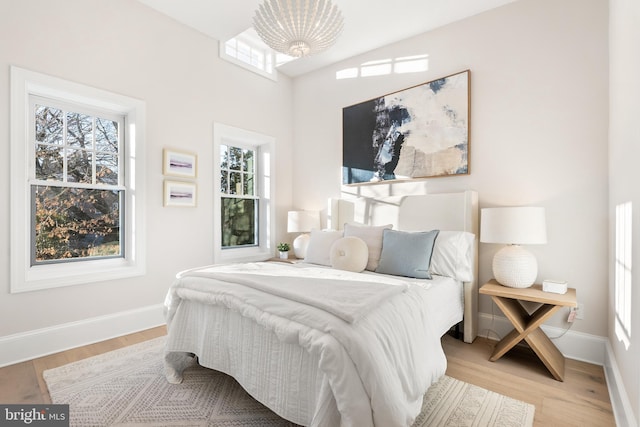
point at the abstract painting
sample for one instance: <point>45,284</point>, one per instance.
<point>419,132</point>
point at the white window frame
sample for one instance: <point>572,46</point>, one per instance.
<point>265,188</point>
<point>271,59</point>
<point>272,75</point>
<point>25,277</point>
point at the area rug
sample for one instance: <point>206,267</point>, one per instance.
<point>126,387</point>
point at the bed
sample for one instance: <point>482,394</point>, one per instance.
<point>322,346</point>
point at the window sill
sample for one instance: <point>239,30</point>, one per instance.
<point>58,275</point>
<point>244,255</point>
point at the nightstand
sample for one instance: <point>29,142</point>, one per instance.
<point>527,326</point>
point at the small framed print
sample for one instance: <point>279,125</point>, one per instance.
<point>178,193</point>
<point>179,163</point>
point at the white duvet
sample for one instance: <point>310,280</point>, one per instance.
<point>371,333</point>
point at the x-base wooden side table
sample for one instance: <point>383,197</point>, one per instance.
<point>527,326</point>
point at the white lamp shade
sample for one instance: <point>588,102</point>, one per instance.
<point>302,221</point>
<point>514,225</point>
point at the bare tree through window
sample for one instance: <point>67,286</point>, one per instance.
<point>76,198</point>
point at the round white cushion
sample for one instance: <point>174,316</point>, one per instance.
<point>349,253</point>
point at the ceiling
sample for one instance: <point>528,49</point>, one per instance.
<point>369,24</point>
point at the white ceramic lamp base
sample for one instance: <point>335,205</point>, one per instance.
<point>300,244</point>
<point>515,267</point>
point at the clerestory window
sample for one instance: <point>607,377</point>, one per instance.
<point>248,51</point>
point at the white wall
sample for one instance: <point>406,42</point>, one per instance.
<point>539,108</point>
<point>125,47</point>
<point>624,153</point>
<point>539,84</point>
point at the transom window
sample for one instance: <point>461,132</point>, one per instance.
<point>248,51</point>
<point>76,196</point>
<point>249,54</point>
<point>239,203</point>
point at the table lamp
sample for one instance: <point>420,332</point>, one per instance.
<point>302,222</point>
<point>513,265</point>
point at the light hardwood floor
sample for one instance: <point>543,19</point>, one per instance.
<point>23,383</point>
<point>581,400</point>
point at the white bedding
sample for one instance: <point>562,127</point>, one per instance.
<point>307,364</point>
<point>344,294</point>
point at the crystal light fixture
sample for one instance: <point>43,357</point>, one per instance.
<point>298,27</point>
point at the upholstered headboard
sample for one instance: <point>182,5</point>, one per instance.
<point>444,211</point>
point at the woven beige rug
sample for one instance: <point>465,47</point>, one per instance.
<point>126,387</point>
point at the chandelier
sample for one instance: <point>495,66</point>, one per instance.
<point>298,27</point>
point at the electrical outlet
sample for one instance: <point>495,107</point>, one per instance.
<point>580,311</point>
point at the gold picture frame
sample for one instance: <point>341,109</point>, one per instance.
<point>180,193</point>
<point>418,132</point>
<point>179,163</point>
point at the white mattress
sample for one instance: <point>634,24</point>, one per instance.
<point>281,375</point>
<point>446,302</point>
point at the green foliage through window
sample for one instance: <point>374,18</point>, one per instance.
<point>239,202</point>
<point>238,222</point>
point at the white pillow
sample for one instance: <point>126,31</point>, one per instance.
<point>320,246</point>
<point>372,236</point>
<point>453,255</point>
<point>349,253</point>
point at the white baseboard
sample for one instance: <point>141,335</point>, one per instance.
<point>574,345</point>
<point>622,408</point>
<point>579,346</point>
<point>41,342</point>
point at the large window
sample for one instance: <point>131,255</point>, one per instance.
<point>77,189</point>
<point>244,197</point>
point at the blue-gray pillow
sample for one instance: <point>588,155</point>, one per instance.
<point>407,253</point>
